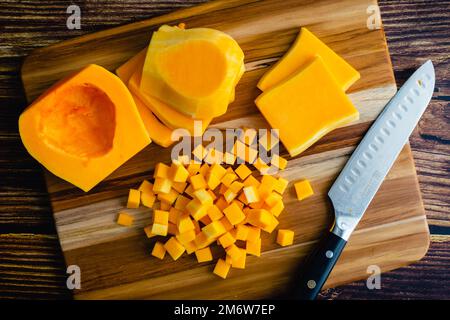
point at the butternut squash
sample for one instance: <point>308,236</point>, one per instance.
<point>84,127</point>
<point>158,132</point>
<point>169,116</point>
<point>192,70</point>
<point>306,106</point>
<point>305,48</point>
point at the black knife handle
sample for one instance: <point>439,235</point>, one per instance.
<point>318,267</point>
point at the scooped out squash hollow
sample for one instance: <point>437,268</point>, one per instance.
<point>192,70</point>
<point>84,127</point>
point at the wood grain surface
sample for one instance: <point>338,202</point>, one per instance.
<point>29,262</point>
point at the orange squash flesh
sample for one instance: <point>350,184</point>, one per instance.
<point>169,116</point>
<point>80,129</point>
<point>126,70</point>
<point>158,132</point>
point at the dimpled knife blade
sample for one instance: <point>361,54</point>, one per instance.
<point>369,164</point>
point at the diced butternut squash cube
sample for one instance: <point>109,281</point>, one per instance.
<point>134,199</point>
<point>214,230</point>
<point>160,229</point>
<point>223,188</point>
<point>229,158</point>
<point>146,186</point>
<point>204,170</point>
<point>253,248</point>
<point>178,173</point>
<point>234,214</point>
<point>310,113</point>
<point>161,171</point>
<point>226,223</point>
<point>204,255</point>
<point>124,219</point>
<point>162,185</point>
<point>240,262</point>
<point>240,204</point>
<point>172,229</point>
<point>254,233</point>
<point>212,194</point>
<point>196,226</point>
<point>234,252</point>
<point>187,236</point>
<point>190,247</point>
<point>205,220</point>
<point>229,196</point>
<point>217,170</point>
<point>174,248</point>
<point>185,223</point>
<point>183,159</point>
<point>285,237</point>
<point>272,199</point>
<point>214,213</point>
<point>226,240</point>
<point>278,162</point>
<point>222,268</point>
<point>202,241</point>
<point>203,196</point>
<point>193,168</point>
<point>199,153</point>
<point>179,186</point>
<point>181,202</point>
<point>174,215</point>
<point>148,198</point>
<point>259,218</point>
<point>221,203</point>
<point>303,189</point>
<point>260,165</point>
<point>160,217</point>
<point>198,182</point>
<point>169,197</point>
<point>228,178</point>
<point>241,197</point>
<point>165,206</point>
<point>277,208</point>
<point>190,191</point>
<point>257,205</point>
<point>272,225</point>
<point>212,181</point>
<point>158,250</point>
<point>243,171</point>
<point>251,194</point>
<point>281,185</point>
<point>241,232</point>
<point>251,181</point>
<point>236,186</point>
<point>197,209</point>
<point>148,231</point>
<point>267,185</point>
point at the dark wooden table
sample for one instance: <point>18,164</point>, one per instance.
<point>31,264</point>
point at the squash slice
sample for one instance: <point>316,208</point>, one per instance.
<point>126,70</point>
<point>306,106</point>
<point>305,48</point>
<point>158,132</point>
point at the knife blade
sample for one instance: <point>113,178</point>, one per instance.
<point>358,182</point>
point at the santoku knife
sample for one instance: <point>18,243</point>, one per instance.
<point>363,174</point>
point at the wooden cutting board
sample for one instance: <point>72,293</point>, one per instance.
<point>115,261</point>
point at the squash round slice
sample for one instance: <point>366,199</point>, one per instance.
<point>169,116</point>
<point>84,127</point>
<point>192,70</point>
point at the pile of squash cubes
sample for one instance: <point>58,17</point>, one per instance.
<point>201,204</point>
